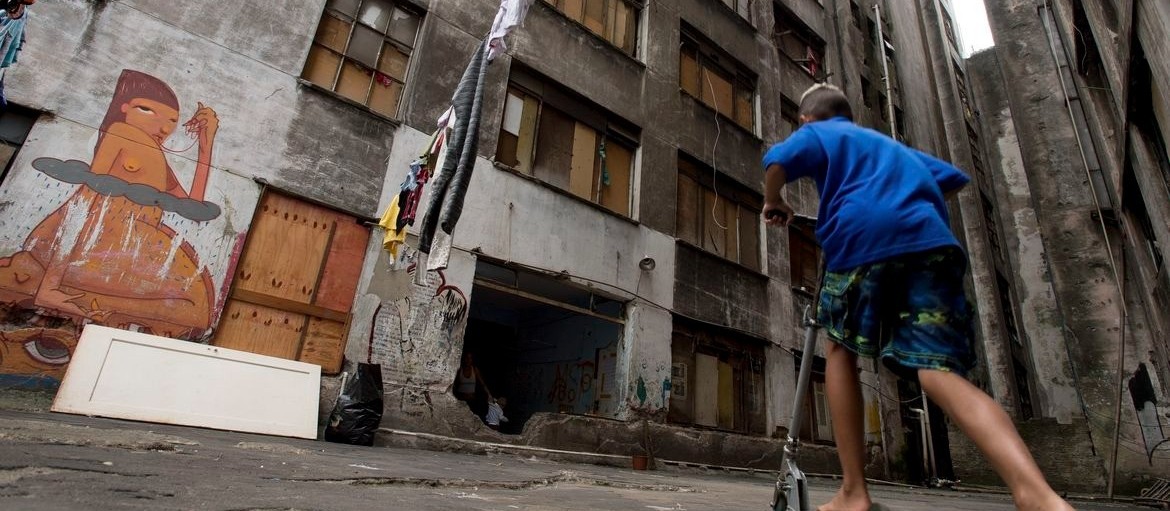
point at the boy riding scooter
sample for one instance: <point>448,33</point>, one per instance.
<point>893,287</point>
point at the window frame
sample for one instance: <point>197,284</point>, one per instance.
<point>636,9</point>
<point>709,58</point>
<point>344,57</point>
<point>732,193</point>
<point>607,128</point>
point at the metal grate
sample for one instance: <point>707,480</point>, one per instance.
<point>1158,492</point>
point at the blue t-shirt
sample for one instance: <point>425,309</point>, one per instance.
<point>879,198</point>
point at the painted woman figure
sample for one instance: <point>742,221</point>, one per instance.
<point>105,254</point>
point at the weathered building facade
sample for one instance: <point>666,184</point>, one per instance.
<point>610,276</point>
<point>1068,144</point>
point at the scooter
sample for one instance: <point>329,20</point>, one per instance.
<point>791,492</point>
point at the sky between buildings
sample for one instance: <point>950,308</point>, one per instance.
<point>972,20</point>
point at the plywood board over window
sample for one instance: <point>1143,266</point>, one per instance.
<point>295,283</point>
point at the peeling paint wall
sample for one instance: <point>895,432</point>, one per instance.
<point>1069,300</point>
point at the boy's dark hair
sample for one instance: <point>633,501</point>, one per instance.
<point>824,101</point>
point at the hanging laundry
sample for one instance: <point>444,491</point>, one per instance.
<point>459,126</point>
<point>11,36</point>
<point>394,237</point>
<point>511,13</point>
<point>450,183</point>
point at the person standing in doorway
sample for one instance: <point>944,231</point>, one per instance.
<point>893,287</point>
<point>468,382</point>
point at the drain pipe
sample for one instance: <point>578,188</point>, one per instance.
<point>1048,15</point>
<point>877,10</point>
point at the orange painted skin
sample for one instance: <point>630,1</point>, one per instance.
<point>123,267</point>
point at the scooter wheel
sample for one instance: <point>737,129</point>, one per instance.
<point>781,503</point>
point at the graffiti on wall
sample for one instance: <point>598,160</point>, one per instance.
<point>105,255</point>
<point>35,358</point>
<point>417,338</point>
<point>110,233</point>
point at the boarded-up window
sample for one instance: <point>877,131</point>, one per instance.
<point>615,21</point>
<point>718,214</point>
<point>817,423</point>
<point>715,79</point>
<point>362,51</point>
<point>805,258</point>
<point>566,142</point>
<point>295,283</point>
<point>719,375</point>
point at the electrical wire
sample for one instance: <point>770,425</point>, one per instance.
<point>714,163</point>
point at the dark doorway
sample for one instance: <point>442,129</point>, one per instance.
<point>542,344</point>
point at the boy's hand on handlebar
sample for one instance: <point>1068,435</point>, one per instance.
<point>778,213</point>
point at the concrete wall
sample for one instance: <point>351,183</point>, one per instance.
<point>1069,298</point>
<point>170,274</point>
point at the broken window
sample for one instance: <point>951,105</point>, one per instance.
<point>362,51</point>
<point>295,283</point>
<point>718,214</point>
<point>1007,309</point>
<point>1135,205</point>
<point>722,376</point>
<point>715,79</point>
<point>543,344</point>
<point>567,142</point>
<point>964,98</point>
<point>798,42</point>
<point>949,29</point>
<point>855,10</point>
<point>991,226</point>
<point>1023,387</point>
<point>615,21</point>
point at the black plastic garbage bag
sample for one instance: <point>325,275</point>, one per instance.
<point>358,411</point>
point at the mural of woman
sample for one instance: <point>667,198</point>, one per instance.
<point>105,255</point>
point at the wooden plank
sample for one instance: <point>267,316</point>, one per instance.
<point>575,9</point>
<point>527,135</point>
<point>324,344</point>
<point>717,91</point>
<point>687,217</point>
<point>343,265</point>
<point>749,238</point>
<point>595,16</point>
<point>706,390</point>
<point>259,329</point>
<point>731,213</point>
<point>583,162</point>
<point>274,302</point>
<point>726,396</point>
<point>286,246</point>
<point>554,150</point>
<point>688,76</point>
<point>618,162</point>
<point>714,223</point>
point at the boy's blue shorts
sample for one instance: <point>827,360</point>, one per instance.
<point>910,310</point>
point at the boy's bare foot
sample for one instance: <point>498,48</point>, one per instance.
<point>852,501</point>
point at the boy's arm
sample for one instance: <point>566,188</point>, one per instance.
<point>949,178</point>
<point>776,209</point>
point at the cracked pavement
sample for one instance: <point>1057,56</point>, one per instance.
<point>65,462</point>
